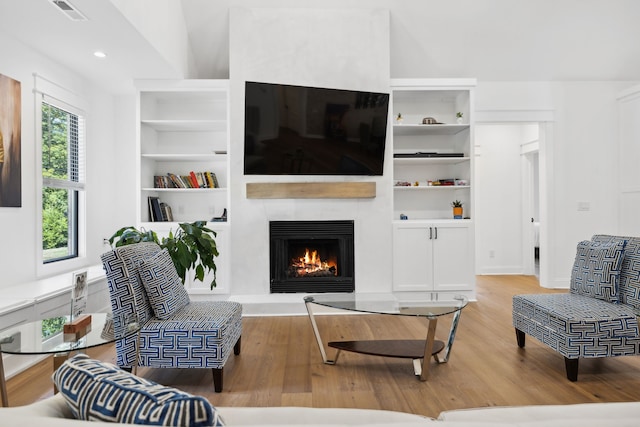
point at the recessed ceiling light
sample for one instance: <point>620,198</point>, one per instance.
<point>99,54</point>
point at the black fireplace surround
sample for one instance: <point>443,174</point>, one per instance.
<point>294,243</point>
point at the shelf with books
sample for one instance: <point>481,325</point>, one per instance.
<point>184,205</point>
<point>187,180</point>
<point>183,129</point>
<point>183,143</point>
<point>185,190</point>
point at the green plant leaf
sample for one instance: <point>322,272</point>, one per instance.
<point>191,246</point>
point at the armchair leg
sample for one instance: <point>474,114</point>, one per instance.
<point>572,368</point>
<point>236,348</point>
<point>217,379</point>
<point>520,337</point>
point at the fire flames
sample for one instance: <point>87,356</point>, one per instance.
<point>311,265</point>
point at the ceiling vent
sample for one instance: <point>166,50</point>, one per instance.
<point>69,10</point>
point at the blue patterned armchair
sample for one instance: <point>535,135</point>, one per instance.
<point>174,332</point>
<point>598,317</point>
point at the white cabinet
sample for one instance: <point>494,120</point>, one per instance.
<point>183,128</point>
<point>433,162</point>
<point>433,257</point>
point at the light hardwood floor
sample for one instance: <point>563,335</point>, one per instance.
<point>280,365</point>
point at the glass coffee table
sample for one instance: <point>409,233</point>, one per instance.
<point>400,304</point>
<point>46,337</point>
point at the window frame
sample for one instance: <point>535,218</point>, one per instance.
<point>47,92</point>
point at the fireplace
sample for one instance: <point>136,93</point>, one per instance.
<point>311,256</point>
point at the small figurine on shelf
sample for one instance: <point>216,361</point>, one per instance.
<point>459,117</point>
<point>399,119</point>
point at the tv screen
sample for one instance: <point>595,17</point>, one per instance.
<point>298,130</point>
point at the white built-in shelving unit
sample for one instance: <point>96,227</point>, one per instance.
<point>433,252</point>
<point>183,127</point>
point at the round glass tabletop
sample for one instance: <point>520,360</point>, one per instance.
<point>400,303</point>
<point>47,336</point>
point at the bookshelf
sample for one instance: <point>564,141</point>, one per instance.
<point>183,130</point>
<point>183,127</point>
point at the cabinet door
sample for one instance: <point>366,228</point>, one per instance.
<point>412,258</point>
<point>452,259</point>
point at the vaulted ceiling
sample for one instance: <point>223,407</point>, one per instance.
<point>504,40</point>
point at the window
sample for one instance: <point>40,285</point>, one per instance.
<point>62,181</point>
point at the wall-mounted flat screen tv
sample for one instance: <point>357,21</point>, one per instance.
<point>298,130</point>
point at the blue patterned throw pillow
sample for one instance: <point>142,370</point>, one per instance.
<point>596,270</point>
<point>164,288</point>
<point>98,391</point>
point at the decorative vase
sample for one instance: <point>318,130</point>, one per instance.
<point>459,120</point>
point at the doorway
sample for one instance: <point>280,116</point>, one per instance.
<point>508,196</point>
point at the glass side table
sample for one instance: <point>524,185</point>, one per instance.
<point>46,337</point>
<point>399,304</point>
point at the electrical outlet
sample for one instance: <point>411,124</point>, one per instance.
<point>584,206</point>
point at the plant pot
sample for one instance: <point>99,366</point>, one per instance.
<point>457,213</point>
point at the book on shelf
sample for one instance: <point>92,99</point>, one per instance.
<point>214,180</point>
<point>194,180</point>
<point>155,211</point>
<point>201,181</point>
<point>191,180</point>
<point>167,214</point>
<point>209,180</point>
<point>163,181</point>
<point>175,180</point>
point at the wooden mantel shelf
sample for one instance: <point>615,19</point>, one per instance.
<point>311,190</point>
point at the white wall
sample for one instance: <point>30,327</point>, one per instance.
<point>18,242</point>
<point>346,49</point>
<point>166,32</point>
<point>580,159</point>
<point>629,173</point>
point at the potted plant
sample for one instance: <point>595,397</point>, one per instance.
<point>459,117</point>
<point>192,246</point>
<point>457,209</point>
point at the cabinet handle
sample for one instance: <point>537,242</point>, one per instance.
<point>430,233</point>
<point>436,228</point>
